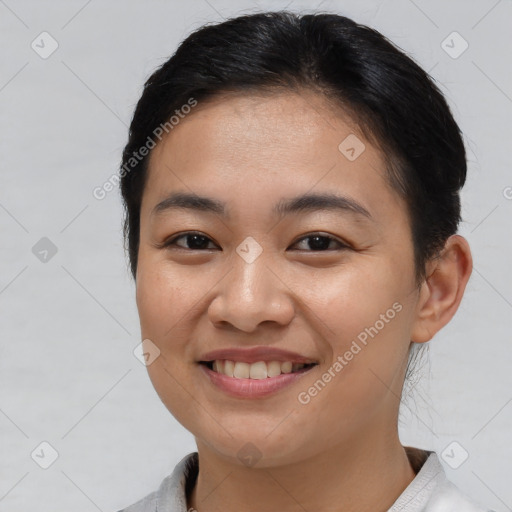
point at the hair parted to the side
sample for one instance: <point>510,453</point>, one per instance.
<point>391,99</point>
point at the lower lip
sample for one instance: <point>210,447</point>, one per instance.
<point>252,388</point>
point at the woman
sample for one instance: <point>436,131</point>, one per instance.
<point>291,186</point>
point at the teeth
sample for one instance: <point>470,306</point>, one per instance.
<point>229,368</point>
<point>273,368</point>
<point>241,371</point>
<point>258,371</point>
<point>286,367</point>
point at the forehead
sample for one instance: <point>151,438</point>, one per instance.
<point>256,148</point>
<point>263,124</point>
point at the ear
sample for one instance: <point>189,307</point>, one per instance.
<point>442,291</point>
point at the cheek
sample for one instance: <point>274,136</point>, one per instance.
<point>163,304</point>
<point>163,300</point>
<point>365,315</point>
<point>350,300</point>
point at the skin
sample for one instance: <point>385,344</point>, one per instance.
<point>340,451</point>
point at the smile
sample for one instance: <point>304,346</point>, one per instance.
<point>252,380</point>
<point>257,371</point>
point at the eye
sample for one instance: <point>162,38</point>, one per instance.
<point>319,242</point>
<point>194,241</point>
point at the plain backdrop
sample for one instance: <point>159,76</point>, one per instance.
<point>69,325</point>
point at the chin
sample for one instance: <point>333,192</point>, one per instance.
<point>257,448</point>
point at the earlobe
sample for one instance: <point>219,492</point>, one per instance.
<point>442,291</point>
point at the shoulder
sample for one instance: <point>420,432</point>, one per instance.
<point>172,494</point>
<point>431,491</point>
<point>449,498</point>
<point>146,504</point>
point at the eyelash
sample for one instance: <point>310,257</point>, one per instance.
<point>172,242</point>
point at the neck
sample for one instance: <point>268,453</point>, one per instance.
<point>368,475</point>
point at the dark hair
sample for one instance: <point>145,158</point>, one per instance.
<point>394,102</point>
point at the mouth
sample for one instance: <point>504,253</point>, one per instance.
<point>258,370</point>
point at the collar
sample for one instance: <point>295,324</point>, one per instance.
<point>176,488</point>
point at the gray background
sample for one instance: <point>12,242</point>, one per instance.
<point>68,375</point>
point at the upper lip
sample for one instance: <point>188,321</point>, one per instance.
<point>255,354</point>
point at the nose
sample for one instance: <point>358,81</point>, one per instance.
<point>250,294</point>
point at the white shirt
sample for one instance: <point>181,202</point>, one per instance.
<point>430,491</point>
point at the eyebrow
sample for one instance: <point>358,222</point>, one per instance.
<point>304,203</point>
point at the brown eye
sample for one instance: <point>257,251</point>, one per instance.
<point>319,242</point>
<point>193,241</point>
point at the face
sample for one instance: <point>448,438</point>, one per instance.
<point>333,283</point>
